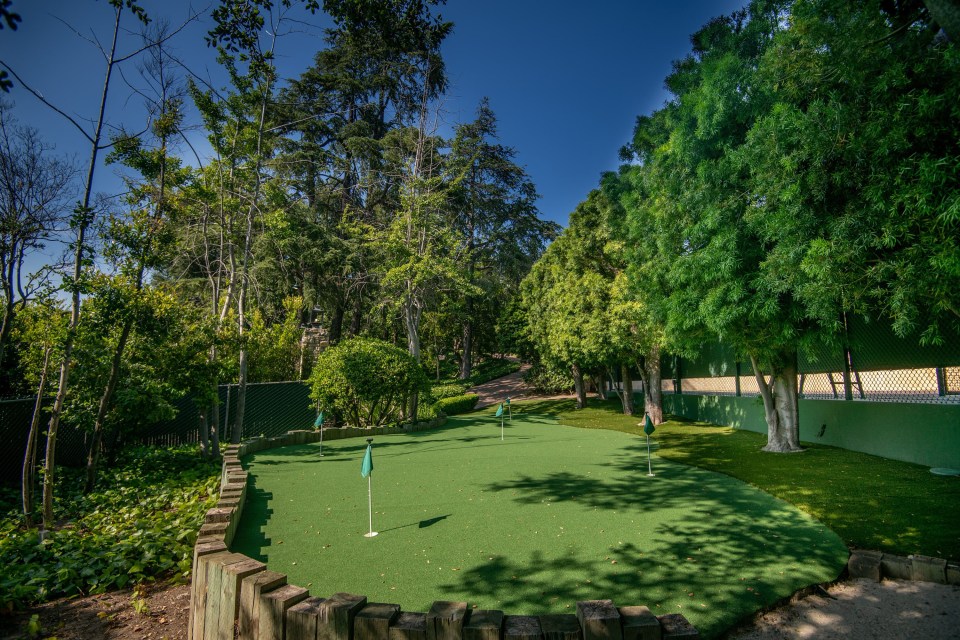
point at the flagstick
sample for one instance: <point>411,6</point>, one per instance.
<point>370,506</point>
<point>649,468</point>
<point>501,427</point>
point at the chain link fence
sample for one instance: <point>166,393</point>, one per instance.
<point>873,364</point>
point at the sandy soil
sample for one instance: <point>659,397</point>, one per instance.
<point>864,610</point>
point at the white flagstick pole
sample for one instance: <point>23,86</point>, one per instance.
<point>501,427</point>
<point>649,468</point>
<point>370,503</point>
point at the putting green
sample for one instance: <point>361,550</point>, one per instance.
<point>550,516</point>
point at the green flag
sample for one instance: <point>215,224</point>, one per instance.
<point>319,421</point>
<point>508,401</point>
<point>367,467</point>
<point>500,410</point>
<point>648,425</point>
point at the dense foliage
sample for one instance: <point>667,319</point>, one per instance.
<point>456,405</point>
<point>366,382</point>
<point>140,526</point>
<point>804,168</point>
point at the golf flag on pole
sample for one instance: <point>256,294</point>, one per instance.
<point>367,467</point>
<point>366,470</point>
<point>648,429</point>
<point>500,410</point>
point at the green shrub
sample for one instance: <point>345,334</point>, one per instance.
<point>141,524</point>
<point>457,404</point>
<point>441,391</point>
<point>546,379</point>
<point>365,381</point>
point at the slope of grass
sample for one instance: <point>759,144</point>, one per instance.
<point>531,524</point>
<point>871,502</point>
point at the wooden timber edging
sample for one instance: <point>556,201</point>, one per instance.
<point>876,565</point>
<point>235,596</point>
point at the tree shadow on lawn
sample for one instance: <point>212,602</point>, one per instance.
<point>249,538</point>
<point>731,550</point>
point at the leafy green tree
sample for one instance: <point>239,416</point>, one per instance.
<point>493,210</point>
<point>367,382</point>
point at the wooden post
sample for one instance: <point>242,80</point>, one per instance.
<point>639,624</point>
<point>230,580</point>
<point>200,550</point>
<point>273,610</point>
<point>409,626</point>
<point>250,589</point>
<point>214,595</point>
<point>302,619</point>
<point>445,620</point>
<point>335,621</point>
<point>521,628</point>
<point>373,621</point>
<point>675,627</point>
<point>563,626</point>
<point>484,624</point>
<point>599,620</point>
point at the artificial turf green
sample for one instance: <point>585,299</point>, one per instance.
<point>531,525</point>
<point>871,502</point>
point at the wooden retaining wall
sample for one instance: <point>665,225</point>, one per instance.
<point>234,596</point>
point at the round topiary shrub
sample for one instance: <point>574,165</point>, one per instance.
<point>366,382</point>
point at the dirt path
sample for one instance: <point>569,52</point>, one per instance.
<point>510,386</point>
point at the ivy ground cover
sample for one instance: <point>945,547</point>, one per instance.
<point>531,524</point>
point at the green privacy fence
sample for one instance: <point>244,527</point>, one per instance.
<point>271,409</point>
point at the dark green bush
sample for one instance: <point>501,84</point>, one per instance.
<point>367,382</point>
<point>141,524</point>
<point>546,379</point>
<point>457,404</point>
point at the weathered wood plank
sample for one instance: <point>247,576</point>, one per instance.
<point>273,610</point>
<point>599,620</point>
<point>373,621</point>
<point>483,624</point>
<point>336,617</point>
<point>445,620</point>
<point>302,619</point>
<point>409,626</point>
<point>639,624</point>
<point>250,589</point>
<point>521,628</point>
<point>564,626</point>
<point>231,579</point>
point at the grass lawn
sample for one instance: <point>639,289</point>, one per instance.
<point>552,515</point>
<point>871,502</point>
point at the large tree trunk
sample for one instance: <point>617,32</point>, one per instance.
<point>578,386</point>
<point>652,385</point>
<point>626,390</point>
<point>780,404</point>
<point>28,475</point>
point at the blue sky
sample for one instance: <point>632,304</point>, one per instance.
<point>566,79</point>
